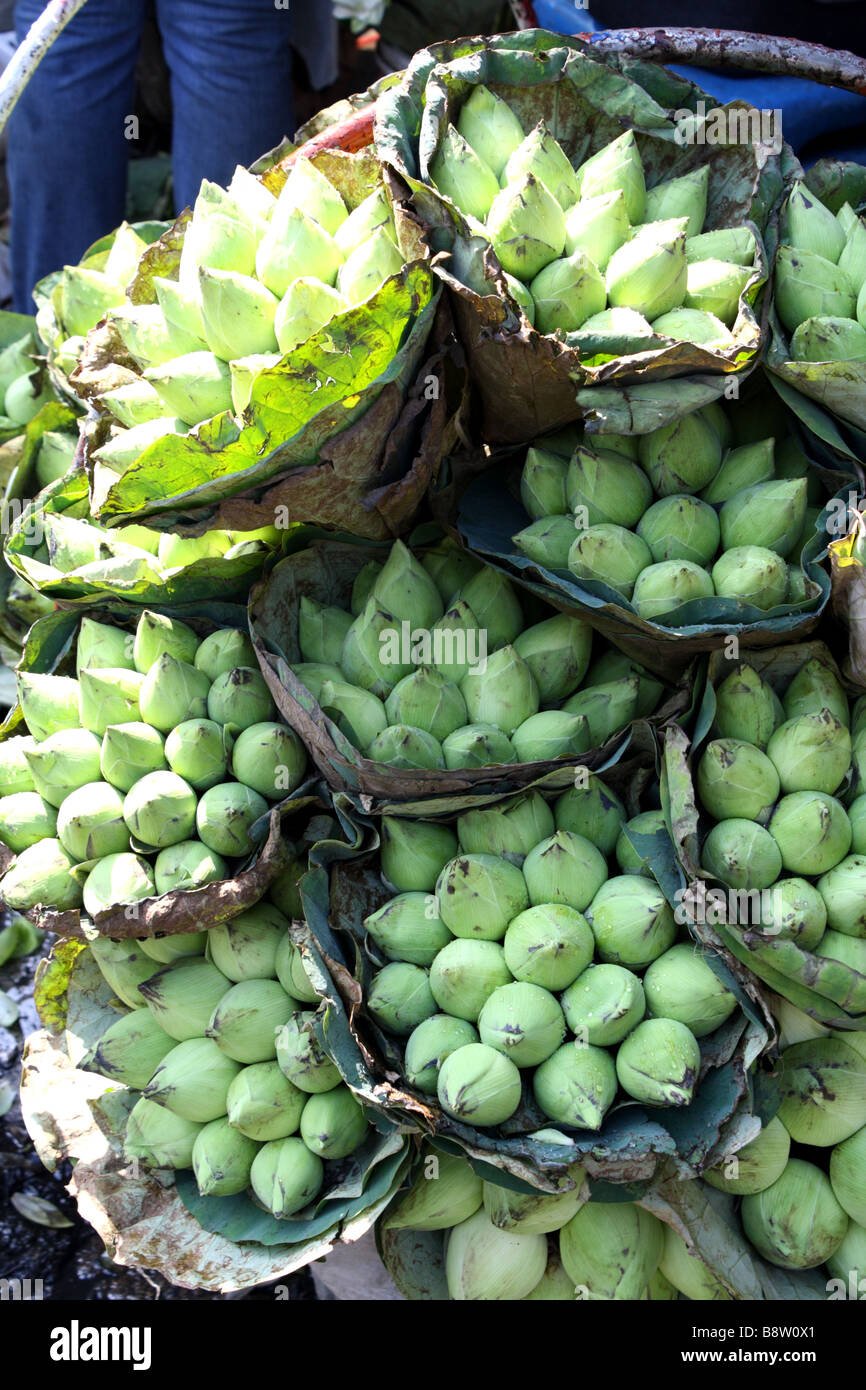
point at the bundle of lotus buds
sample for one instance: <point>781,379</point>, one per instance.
<point>682,513</point>
<point>471,685</point>
<point>533,959</point>
<point>145,772</point>
<point>591,253</point>
<point>820,283</point>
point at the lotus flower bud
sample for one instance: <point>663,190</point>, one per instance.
<point>744,467</point>
<point>222,1159</point>
<point>463,976</point>
<point>548,945</point>
<point>109,695</point>
<point>597,226</point>
<point>321,631</point>
<point>25,819</point>
<point>808,286</point>
<point>542,156</point>
<point>747,707</point>
<point>630,859</point>
<point>715,287</point>
<point>194,387</point>
<point>358,714</point>
<point>756,1165</point>
<point>554,1285</point>
<point>403,746</point>
<point>40,877</point>
<point>129,751</point>
<point>367,268</point>
<point>426,700</point>
<point>173,692</point>
<point>614,332</point>
<point>177,552</point>
<point>680,528</point>
<point>681,985</point>
<point>158,1138</point>
<point>848,1262</point>
<point>301,1057</point>
<point>809,226</point>
<point>696,326</point>
<point>661,589</point>
<point>732,244</point>
<point>116,880</point>
<point>811,752</point>
<point>247,1019</point>
<point>847,218</point>
<point>263,1104</point>
<point>478,745</point>
<point>131,1049</point>
<point>687,1273</point>
<point>526,226</point>
<point>414,853</point>
<point>829,338</point>
<point>57,766</point>
<point>270,759</point>
<point>86,297</point>
<point>126,446</point>
<point>796,913</point>
<point>565,868</point>
<point>295,245</point>
<point>842,890</point>
<point>538,1214</point>
<point>371,214</point>
<point>193,1080</point>
<point>124,966</point>
<point>196,751</point>
<point>158,635</point>
<point>160,810</point>
<point>285,1176</point>
<point>848,950</point>
<point>743,855</point>
<point>510,829</point>
<point>180,309</point>
<point>333,1124</point>
<point>463,176</point>
<point>770,515</point>
<point>484,1262</point>
<point>90,822</point>
<point>493,606</point>
<point>557,653</point>
<point>606,708</point>
<point>551,734</point>
<point>239,698</point>
<point>363,586</point>
<point>616,167</point>
<point>169,948</point>
<point>811,831</point>
<point>504,693</point>
<point>308,188</point>
<point>148,337</point>
<point>439,1202</point>
<point>542,484</point>
<point>796,1222</point>
<point>576,1085</point>
<point>225,816</point>
<point>406,929</point>
<point>846,1175</point>
<point>478,895</point>
<point>604,1004</point>
<point>238,312</point>
<point>245,370</point>
<point>592,811</point>
<point>183,996</point>
<point>823,1088</point>
<point>102,646</point>
<point>604,487</point>
<point>648,273</point>
<point>426,1049</point>
<point>403,587</point>
<point>245,948</point>
<point>815,688</point>
<point>488,124</point>
<point>522,1021</point>
<point>370,643</point>
<point>400,998</point>
<point>292,974</point>
<point>737,780</point>
<point>682,197</point>
<point>566,293</point>
<point>284,894</point>
<point>631,921</point>
<point>15,773</point>
<point>48,703</point>
<point>611,555</point>
<point>479,1086</point>
<point>547,541</point>
<point>449,567</point>
<point>682,457</point>
<point>659,1062</point>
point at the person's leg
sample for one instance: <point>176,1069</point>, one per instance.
<point>67,139</point>
<point>231,84</point>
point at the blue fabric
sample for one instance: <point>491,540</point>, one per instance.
<point>231,68</point>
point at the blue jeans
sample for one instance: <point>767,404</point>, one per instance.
<point>230,64</point>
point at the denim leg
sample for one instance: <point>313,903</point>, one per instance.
<point>68,150</point>
<point>231,84</point>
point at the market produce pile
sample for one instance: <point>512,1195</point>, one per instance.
<point>821,280</point>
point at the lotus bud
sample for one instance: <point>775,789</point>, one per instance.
<point>737,780</point>
<point>173,692</point>
<point>414,853</point>
<point>576,1085</point>
<point>436,1203</point>
<point>295,246</point>
<point>25,819</point>
<point>238,312</point>
<point>426,1049</point>
<point>131,1049</point>
<point>479,1086</point>
<point>680,528</point>
<point>769,515</point>
<point>115,881</point>
<point>846,1175</point>
<point>687,1272</point>
<point>263,1104</point>
<point>648,273</point>
<point>743,855</point>
<point>604,1004</point>
<point>222,1159</point>
<point>829,338</point>
<point>15,771</point>
<point>102,646</point>
<point>59,765</point>
<point>504,693</point>
<point>658,1063</point>
<point>616,167</point>
<point>557,653</point>
<point>548,945</point>
<point>606,708</point>
<point>400,998</point>
<point>239,698</point>
<point>90,823</point>
<point>367,268</point>
<point>148,337</point>
<point>566,293</point>
<point>597,226</point>
<point>848,950</point>
<point>285,1176</point>
<point>160,810</point>
<point>426,700</point>
<point>848,1262</point>
<point>478,895</point>
<point>403,587</point>
<point>301,1057</point>
<point>449,567</point>
<point>463,176</point>
<point>715,287</point>
<point>194,387</point>
<point>86,297</point>
<point>193,1080</point>
<point>683,457</point>
<point>48,703</point>
<point>196,751</point>
<point>811,752</point>
<point>369,646</point>
<point>225,816</point>
<point>321,631</point>
<point>696,326</point>
<point>538,1214</point>
<point>40,877</point>
<point>611,555</point>
<point>371,214</point>
<point>796,1222</point>
<point>406,929</point>
<point>484,1262</point>
<point>478,745</point>
<point>842,891</point>
<point>809,286</point>
<point>509,829</point>
<point>403,746</point>
<point>756,1165</point>
<point>732,244</point>
<point>180,308</point>
<point>631,921</point>
<point>158,1138</point>
<point>682,197</point>
<point>542,156</point>
<point>183,996</point>
<point>363,586</point>
<point>847,218</point>
<point>270,759</point>
<point>158,635</point>
<point>494,607</point>
<point>526,226</point>
<point>308,188</point>
<point>169,948</point>
<point>614,332</point>
<point>284,892</point>
<point>592,811</point>
<point>812,832</point>
<point>547,541</point>
<point>129,751</point>
<point>814,688</point>
<point>463,976</point>
<point>358,714</point>
<point>126,446</point>
<point>292,974</point>
<point>522,1021</point>
<point>823,1088</point>
<point>809,226</point>
<point>177,552</point>
<point>245,370</point>
<point>661,589</point>
<point>604,487</point>
<point>797,912</point>
<point>681,985</point>
<point>247,1019</point>
<point>565,868</point>
<point>333,1124</point>
<point>630,859</point>
<point>542,484</point>
<point>245,948</point>
<point>124,966</point>
<point>551,734</point>
<point>747,707</point>
<point>744,467</point>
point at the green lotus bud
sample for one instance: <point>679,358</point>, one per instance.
<point>58,766</point>
<point>503,693</point>
<point>823,1089</point>
<point>194,387</point>
<point>566,293</point>
<point>291,971</point>
<point>172,693</point>
<point>681,985</point>
<point>796,1222</point>
<point>237,312</point>
<point>604,1004</point>
<point>629,859</point>
<point>263,1104</point>
<point>365,657</point>
<point>225,816</point>
<point>769,515</point>
<point>71,544</point>
<point>441,1201</point>
<point>538,1214</point>
<point>169,948</point>
<point>547,541</point>
<point>756,1165</point>
<point>426,700</point>
<point>308,188</point>
<point>510,829</point>
<point>367,268</point>
<point>743,855</point>
<point>15,771</point>
<point>463,976</point>
<point>812,832</point>
<point>124,966</point>
<point>694,326</point>
<point>158,635</point>
<point>270,759</point>
<point>526,227</point>
<point>732,244</point>
<point>321,631</point>
<point>403,746</point>
<point>522,1021</point>
<point>296,247</point>
<point>358,714</point>
<point>659,1289</point>
<point>102,646</point>
<point>333,1124</point>
<point>449,567</point>
<point>371,214</point>
<point>617,167</point>
<point>609,555</point>
<point>400,998</point>
<point>26,397</point>
<point>196,751</point>
<point>25,819</point>
<point>737,780</point>
<point>606,708</point>
<point>193,1080</point>
<point>126,446</point>
<point>680,528</point>
<point>407,929</point>
<point>715,288</point>
<point>565,868</point>
<point>40,877</point>
<point>479,1086</point>
<point>846,1175</point>
<point>542,484</point>
<point>477,745</point>
<point>223,650</point>
<point>488,124</point>
<point>557,653</point>
<point>493,606</point>
<point>648,272</point>
<point>404,588</point>
<point>427,1047</point>
<point>744,467</point>
<point>148,337</point>
<point>688,1273</point>
<point>751,574</point>
<point>842,893</point>
<point>285,1176</point>
<point>463,176</point>
<point>222,1159</point>
<point>183,996</point>
<point>86,297</point>
<point>848,1262</point>
<point>661,589</point>
<point>815,688</point>
<point>683,457</point>
<point>245,370</point>
<point>116,880</point>
<point>551,734</point>
<point>604,487</point>
<point>414,853</point>
<point>48,703</point>
<point>809,226</point>
<point>592,811</point>
<point>177,552</point>
<point>160,810</point>
<point>847,218</point>
<point>597,226</point>
<point>811,752</point>
<point>809,286</point>
<point>747,707</point>
<point>484,1262</point>
<point>130,751</point>
<point>548,945</point>
<point>301,1057</point>
<point>90,822</point>
<point>109,695</point>
<point>542,156</point>
<point>796,913</point>
<point>848,950</point>
<point>157,1137</point>
<point>245,948</point>
<point>659,1062</point>
<point>180,308</point>
<point>131,1049</point>
<point>248,1018</point>
<point>614,332</point>
<point>239,698</point>
<point>829,338</point>
<point>611,1250</point>
<point>478,895</point>
<point>631,921</point>
<point>682,197</point>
